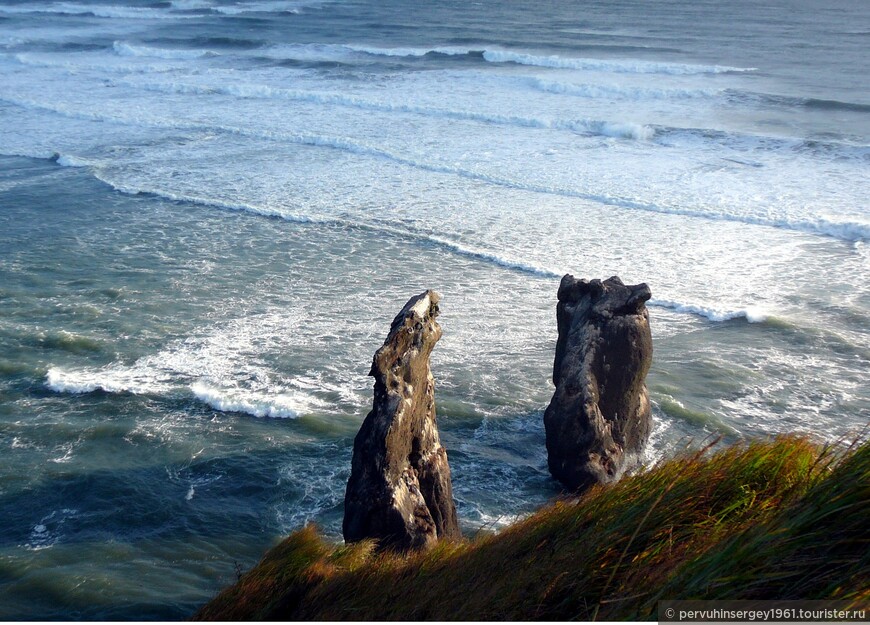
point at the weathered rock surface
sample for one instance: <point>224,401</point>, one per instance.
<point>599,419</point>
<point>399,489</point>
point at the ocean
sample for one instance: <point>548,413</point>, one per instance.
<point>211,210</point>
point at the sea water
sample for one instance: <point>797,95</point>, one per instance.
<point>211,210</point>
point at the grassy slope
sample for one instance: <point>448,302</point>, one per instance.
<point>781,519</point>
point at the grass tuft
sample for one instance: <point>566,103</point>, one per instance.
<point>781,519</point>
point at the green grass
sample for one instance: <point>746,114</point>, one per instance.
<point>782,519</point>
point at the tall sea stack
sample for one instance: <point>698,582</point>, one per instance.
<point>599,419</point>
<point>399,490</point>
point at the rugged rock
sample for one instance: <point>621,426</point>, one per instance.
<point>599,419</point>
<point>399,489</point>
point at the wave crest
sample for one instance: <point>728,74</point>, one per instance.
<point>626,66</point>
<point>123,48</point>
<point>850,230</point>
<point>111,380</point>
<point>620,92</point>
<point>752,314</point>
<point>258,404</point>
<point>618,66</point>
<point>619,130</point>
<point>97,10</point>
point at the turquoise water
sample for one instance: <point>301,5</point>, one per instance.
<point>211,211</point>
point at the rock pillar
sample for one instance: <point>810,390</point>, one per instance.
<point>599,419</point>
<point>399,490</point>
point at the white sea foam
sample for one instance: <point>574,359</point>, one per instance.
<point>220,366</point>
<point>355,52</point>
<point>245,207</point>
<point>304,52</point>
<point>622,130</point>
<point>412,52</point>
<point>848,230</point>
<point>475,252</point>
<point>315,485</point>
<point>68,450</point>
<point>259,404</point>
<point>620,92</point>
<point>619,130</point>
<point>851,230</point>
<point>632,66</point>
<point>752,314</point>
<point>464,249</point>
<point>191,5</point>
<point>98,10</point>
<point>91,63</point>
<point>47,531</point>
<point>17,443</point>
<point>115,379</point>
<point>661,441</point>
<point>70,160</point>
<point>276,6</point>
<point>123,48</point>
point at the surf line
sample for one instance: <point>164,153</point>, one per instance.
<point>848,231</point>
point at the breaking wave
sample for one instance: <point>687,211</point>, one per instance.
<point>95,64</point>
<point>95,10</point>
<point>475,252</point>
<point>70,160</point>
<point>258,404</point>
<point>109,380</point>
<point>848,229</point>
<point>618,66</point>
<point>751,314</point>
<point>138,381</point>
<point>412,52</point>
<point>622,130</point>
<point>126,49</point>
<point>620,92</point>
<point>268,6</point>
<point>820,104</point>
<point>626,66</point>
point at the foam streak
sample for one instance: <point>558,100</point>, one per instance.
<point>751,314</point>
<point>846,230</point>
<point>587,126</point>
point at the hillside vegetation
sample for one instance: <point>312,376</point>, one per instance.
<point>782,519</point>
